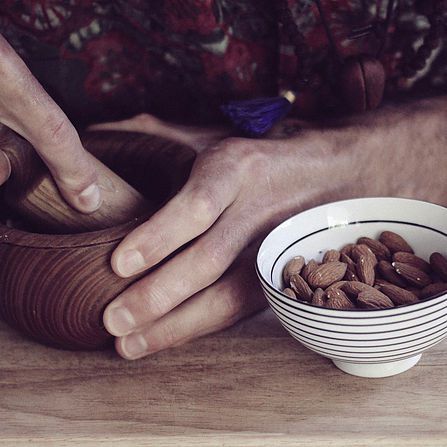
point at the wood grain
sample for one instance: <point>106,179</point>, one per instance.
<point>252,385</point>
<point>33,194</point>
<point>149,164</point>
<point>55,287</point>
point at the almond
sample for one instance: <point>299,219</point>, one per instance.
<point>435,277</point>
<point>351,274</point>
<point>319,298</point>
<point>413,275</point>
<point>415,291</point>
<point>370,274</point>
<point>398,295</point>
<point>289,292</point>
<point>346,250</point>
<point>410,258</point>
<point>381,282</point>
<point>439,265</point>
<point>309,267</point>
<point>336,285</point>
<point>387,271</point>
<point>433,289</point>
<point>362,250</point>
<point>293,267</point>
<point>380,250</point>
<point>301,288</point>
<point>353,288</point>
<point>375,300</point>
<point>331,256</point>
<point>326,274</point>
<point>365,269</point>
<point>346,259</point>
<point>337,299</point>
<point>394,242</point>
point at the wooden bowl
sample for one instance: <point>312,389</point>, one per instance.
<point>55,287</point>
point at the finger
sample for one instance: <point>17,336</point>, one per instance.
<point>5,168</point>
<point>26,108</point>
<point>197,137</point>
<point>190,271</point>
<point>190,213</point>
<point>235,296</point>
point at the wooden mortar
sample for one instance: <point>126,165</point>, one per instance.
<point>55,287</point>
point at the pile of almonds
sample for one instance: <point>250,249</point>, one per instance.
<point>371,274</point>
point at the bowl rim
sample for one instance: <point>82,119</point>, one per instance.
<point>265,284</point>
<point>114,233</point>
<point>27,239</point>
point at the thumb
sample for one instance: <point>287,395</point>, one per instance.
<point>5,168</point>
<point>26,108</point>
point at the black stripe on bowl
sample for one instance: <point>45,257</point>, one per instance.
<point>292,310</point>
<point>355,343</point>
<point>357,222</point>
<point>387,331</point>
<point>369,349</point>
<point>307,307</point>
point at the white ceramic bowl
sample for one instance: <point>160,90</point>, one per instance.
<point>368,343</point>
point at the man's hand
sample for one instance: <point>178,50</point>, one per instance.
<point>241,188</point>
<point>237,190</point>
<point>26,108</point>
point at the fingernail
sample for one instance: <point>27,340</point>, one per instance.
<point>119,321</point>
<point>5,168</point>
<point>134,346</point>
<point>90,198</point>
<point>130,262</point>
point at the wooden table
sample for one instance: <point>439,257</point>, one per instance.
<point>252,385</point>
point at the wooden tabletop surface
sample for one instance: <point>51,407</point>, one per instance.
<point>252,385</point>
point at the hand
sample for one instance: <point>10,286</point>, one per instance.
<point>26,108</point>
<point>225,206</point>
<point>238,190</point>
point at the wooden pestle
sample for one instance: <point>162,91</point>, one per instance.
<point>32,193</point>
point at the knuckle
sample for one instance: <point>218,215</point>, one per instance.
<point>228,305</point>
<point>162,242</point>
<point>154,302</point>
<point>146,121</point>
<point>204,205</point>
<point>77,180</point>
<point>231,144</point>
<point>214,257</point>
<point>225,152</point>
<point>164,335</point>
<point>254,159</point>
<point>169,335</point>
<point>58,130</point>
<point>7,54</point>
<point>244,155</point>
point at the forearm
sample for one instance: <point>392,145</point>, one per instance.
<point>395,151</point>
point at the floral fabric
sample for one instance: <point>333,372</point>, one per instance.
<point>180,59</point>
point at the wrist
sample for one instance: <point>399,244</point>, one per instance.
<point>321,168</point>
<point>394,151</point>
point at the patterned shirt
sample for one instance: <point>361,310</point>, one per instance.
<point>181,59</point>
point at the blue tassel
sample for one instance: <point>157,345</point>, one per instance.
<point>256,116</point>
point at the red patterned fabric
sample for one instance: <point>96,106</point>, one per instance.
<point>181,59</point>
